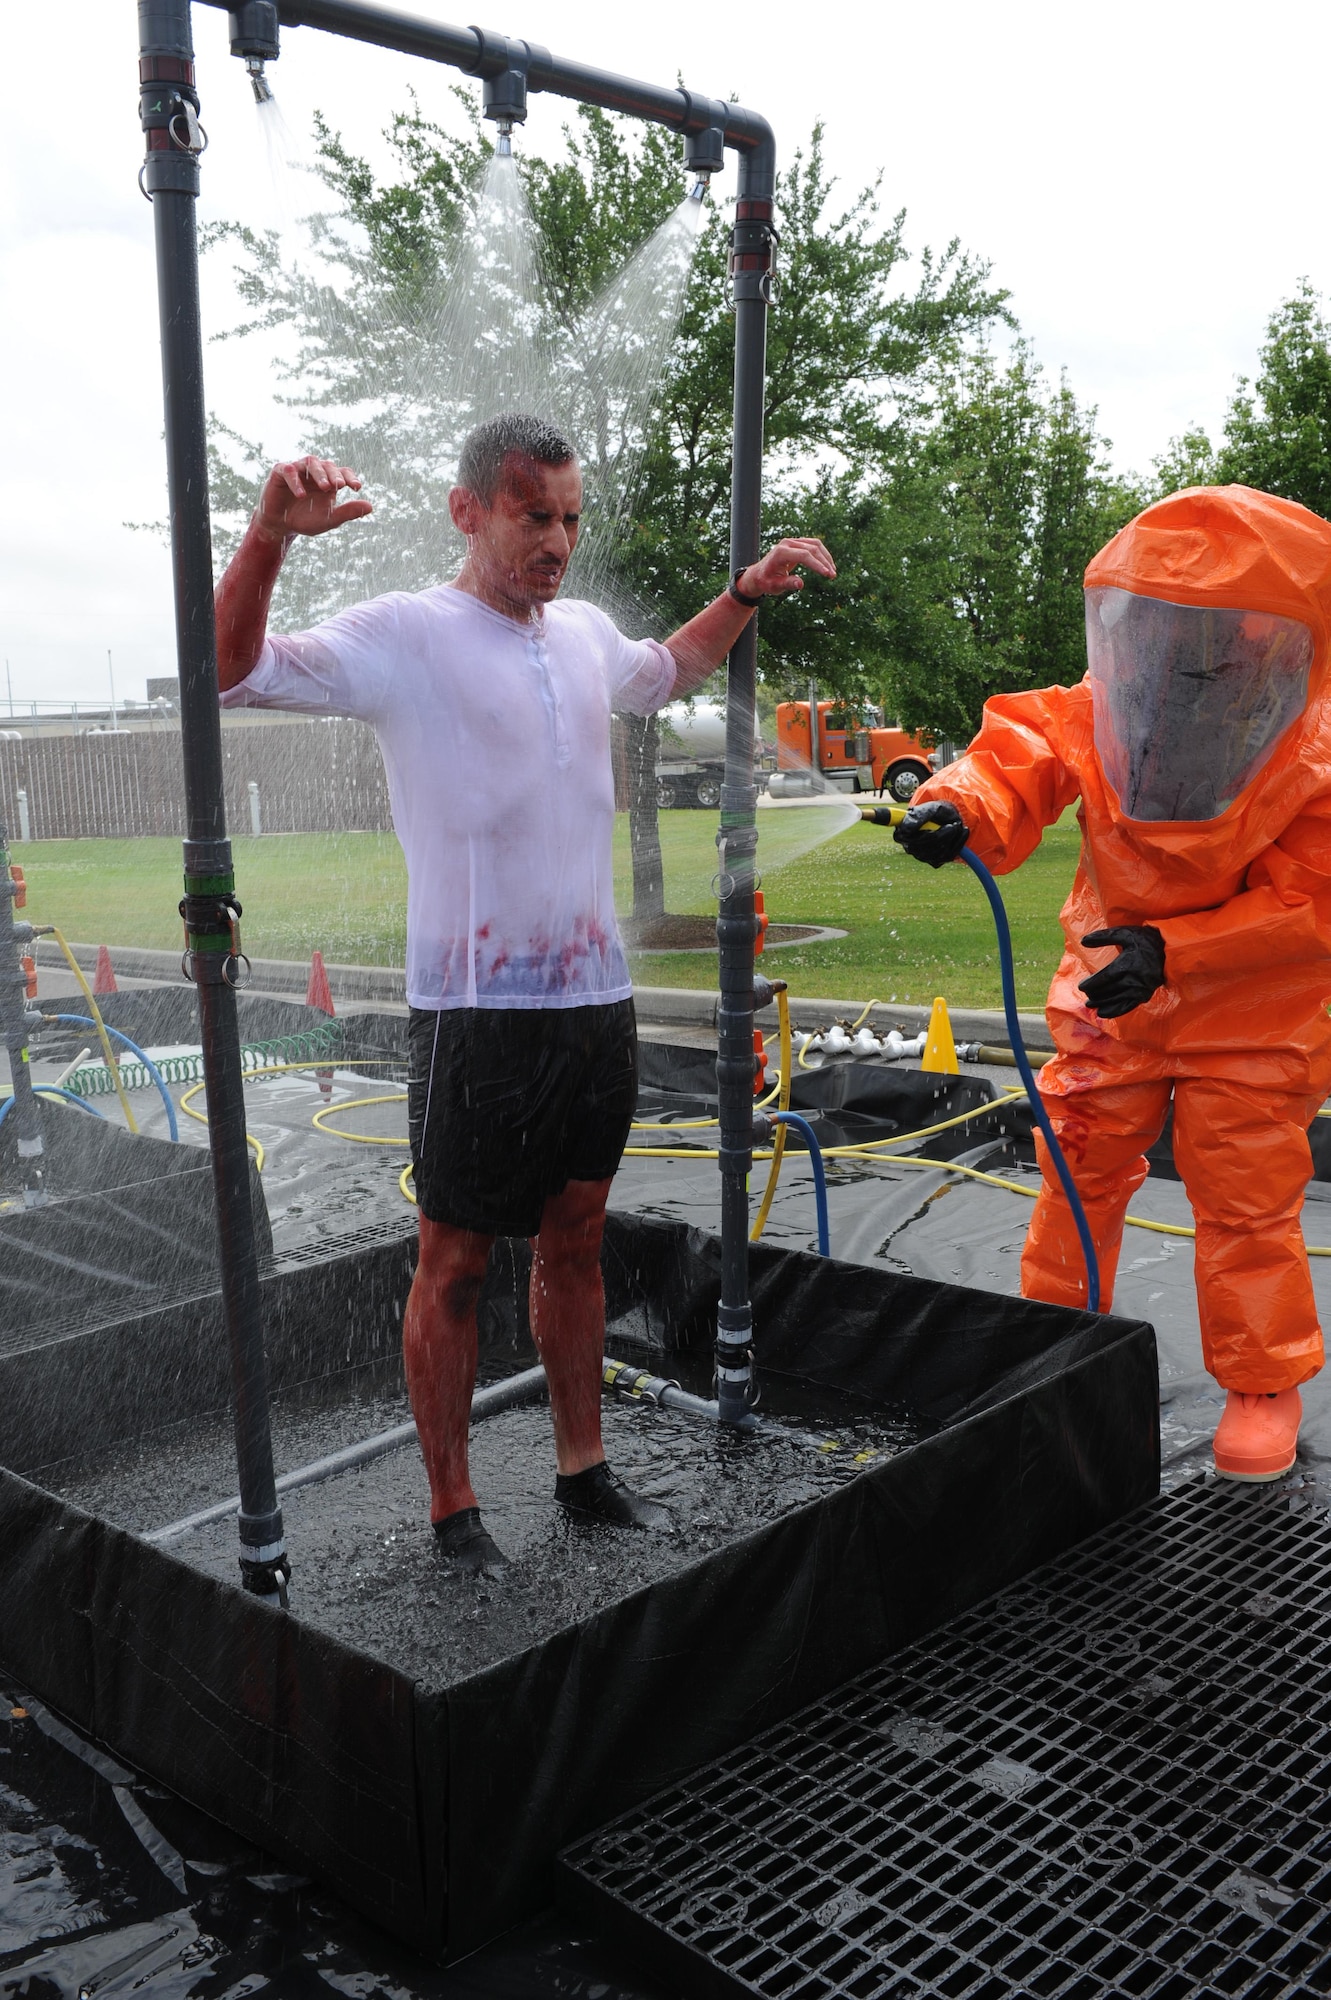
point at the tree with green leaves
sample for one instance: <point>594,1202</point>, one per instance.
<point>1277,434</point>
<point>981,533</point>
<point>857,344</point>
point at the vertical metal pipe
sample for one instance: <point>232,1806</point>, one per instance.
<point>751,269</point>
<point>14,1035</point>
<point>168,107</point>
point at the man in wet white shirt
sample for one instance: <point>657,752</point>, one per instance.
<point>523,1047</point>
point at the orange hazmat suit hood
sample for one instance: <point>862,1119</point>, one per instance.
<point>1229,547</point>
<point>1208,626</point>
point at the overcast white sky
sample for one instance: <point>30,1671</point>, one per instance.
<point>1147,179</point>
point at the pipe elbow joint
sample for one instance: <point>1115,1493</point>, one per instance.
<point>755,141</point>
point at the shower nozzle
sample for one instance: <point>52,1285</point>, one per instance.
<point>259,84</point>
<point>254,38</point>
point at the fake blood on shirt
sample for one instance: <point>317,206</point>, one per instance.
<point>496,745</point>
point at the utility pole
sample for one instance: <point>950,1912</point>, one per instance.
<point>111,676</point>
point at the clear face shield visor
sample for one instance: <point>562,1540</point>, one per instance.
<point>1190,703</point>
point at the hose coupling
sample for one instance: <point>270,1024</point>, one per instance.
<point>765,991</point>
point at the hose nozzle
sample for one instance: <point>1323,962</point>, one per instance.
<point>504,139</point>
<point>883,815</point>
<point>698,192</point>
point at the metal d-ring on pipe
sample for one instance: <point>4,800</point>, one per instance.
<point>168,113</point>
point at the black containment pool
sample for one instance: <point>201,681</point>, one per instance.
<point>426,1745</point>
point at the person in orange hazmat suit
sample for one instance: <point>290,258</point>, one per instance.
<point>1198,927</point>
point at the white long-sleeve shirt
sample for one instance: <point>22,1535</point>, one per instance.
<point>496,745</point>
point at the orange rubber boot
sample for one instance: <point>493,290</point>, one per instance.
<point>1257,1436</point>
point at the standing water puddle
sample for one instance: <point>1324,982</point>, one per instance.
<point>366,1565</point>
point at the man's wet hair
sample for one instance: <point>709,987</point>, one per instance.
<point>481,465</point>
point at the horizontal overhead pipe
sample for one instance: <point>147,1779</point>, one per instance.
<point>480,52</point>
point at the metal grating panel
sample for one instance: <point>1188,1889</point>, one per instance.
<point>1114,1779</point>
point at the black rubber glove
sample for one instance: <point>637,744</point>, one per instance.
<point>935,833</point>
<point>1137,972</point>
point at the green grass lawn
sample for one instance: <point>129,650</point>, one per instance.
<point>912,931</point>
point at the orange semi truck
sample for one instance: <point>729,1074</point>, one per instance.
<point>852,749</point>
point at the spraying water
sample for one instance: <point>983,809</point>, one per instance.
<point>482,340</point>
<point>399,366</point>
<point>395,375</point>
<point>611,373</point>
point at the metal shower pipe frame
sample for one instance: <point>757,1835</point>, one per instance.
<point>169,106</point>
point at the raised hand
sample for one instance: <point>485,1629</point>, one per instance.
<point>300,497</point>
<point>773,575</point>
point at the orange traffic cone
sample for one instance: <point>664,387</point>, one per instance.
<point>104,979</point>
<point>940,1051</point>
<point>318,993</point>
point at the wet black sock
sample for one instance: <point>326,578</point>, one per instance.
<point>597,1495</point>
<point>466,1545</point>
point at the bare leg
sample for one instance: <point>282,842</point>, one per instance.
<point>568,1326</point>
<point>439,1351</point>
<point>568,1318</point>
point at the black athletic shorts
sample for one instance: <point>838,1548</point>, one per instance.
<point>507,1105</point>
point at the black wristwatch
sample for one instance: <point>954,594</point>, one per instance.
<point>735,591</point>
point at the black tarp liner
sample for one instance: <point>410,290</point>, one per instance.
<point>127,1219</point>
<point>440,1815</point>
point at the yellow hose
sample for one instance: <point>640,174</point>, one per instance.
<point>354,1104</point>
<point>96,1012</point>
<point>1032,1194</point>
<point>408,1173</point>
<point>673,1124</point>
<point>779,1143</point>
<point>273,1069</point>
<point>869,1147</point>
<point>866,1149</point>
<point>201,1118</point>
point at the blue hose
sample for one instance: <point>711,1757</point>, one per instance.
<point>82,1021</point>
<point>803,1126</point>
<point>53,1090</point>
<point>1041,1116</point>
